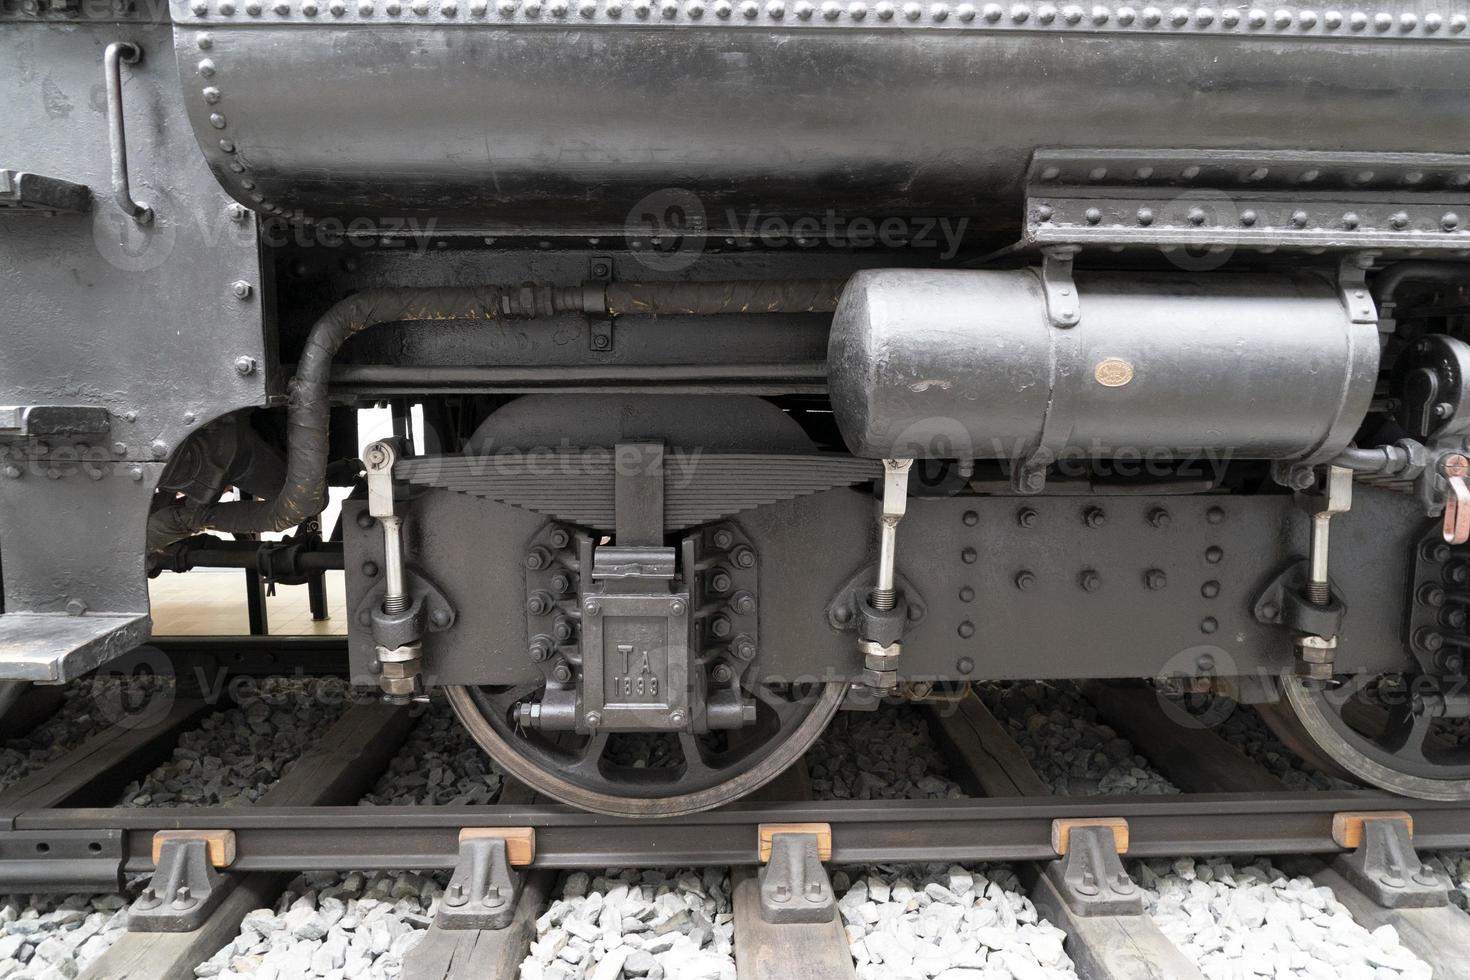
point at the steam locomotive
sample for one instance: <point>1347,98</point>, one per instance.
<point>771,358</point>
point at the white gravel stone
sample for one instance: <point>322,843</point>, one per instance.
<point>1073,752</point>
<point>1248,920</point>
<point>235,755</point>
<point>56,935</point>
<point>947,922</point>
<point>887,754</point>
<point>331,927</point>
<point>650,924</point>
<point>441,764</point>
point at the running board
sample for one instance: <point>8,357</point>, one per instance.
<point>52,648</point>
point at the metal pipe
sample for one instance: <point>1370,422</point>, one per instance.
<point>1387,282</point>
<point>119,53</point>
<point>1318,589</point>
<point>895,503</point>
<point>395,593</point>
<point>304,492</point>
<point>799,377</point>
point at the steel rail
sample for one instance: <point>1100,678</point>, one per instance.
<point>388,838</point>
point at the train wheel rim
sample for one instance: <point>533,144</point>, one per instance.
<point>1398,756</point>
<point>580,777</point>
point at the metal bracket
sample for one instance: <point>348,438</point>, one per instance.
<point>599,324</point>
<point>794,884</point>
<point>429,608</point>
<point>184,890</point>
<point>850,611</point>
<point>1063,308</point>
<point>1384,865</point>
<point>36,194</point>
<point>1283,603</point>
<point>482,892</point>
<point>1089,873</point>
<point>1352,286</point>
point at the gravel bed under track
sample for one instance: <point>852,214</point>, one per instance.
<point>51,937</point>
<point>1241,920</point>
<point>88,707</point>
<point>440,763</point>
<point>948,923</point>
<point>363,924</point>
<point>233,756</point>
<point>658,925</point>
<point>887,754</point>
<point>333,926</point>
<point>236,754</point>
<point>1074,753</point>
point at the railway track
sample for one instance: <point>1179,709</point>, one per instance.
<point>1079,865</point>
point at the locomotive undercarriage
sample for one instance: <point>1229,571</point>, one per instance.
<point>1188,416</point>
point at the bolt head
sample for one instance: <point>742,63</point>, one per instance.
<point>241,289</point>
<point>676,608</point>
<point>592,607</point>
<point>723,539</point>
<point>244,366</point>
<point>75,607</point>
<point>593,719</point>
<point>158,448</point>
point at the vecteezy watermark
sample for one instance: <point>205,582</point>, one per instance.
<point>133,247</point>
<point>669,229</point>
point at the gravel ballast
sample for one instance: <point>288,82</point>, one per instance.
<point>332,926</point>
<point>338,926</point>
<point>888,754</point>
<point>440,764</point>
<point>235,755</point>
<point>1244,920</point>
<point>658,925</point>
<point>89,706</point>
<point>948,923</point>
<point>53,937</point>
<point>1074,753</point>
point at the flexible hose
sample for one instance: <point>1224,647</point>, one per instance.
<point>304,493</point>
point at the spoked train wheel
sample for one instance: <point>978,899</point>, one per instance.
<point>679,773</point>
<point>1382,730</point>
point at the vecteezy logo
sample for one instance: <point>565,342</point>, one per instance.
<point>135,691</point>
<point>666,229</point>
<point>132,247</point>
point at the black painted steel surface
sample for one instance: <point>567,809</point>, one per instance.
<point>540,115</point>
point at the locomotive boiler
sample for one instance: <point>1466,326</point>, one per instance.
<point>752,361</point>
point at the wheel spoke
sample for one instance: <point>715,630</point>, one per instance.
<point>1406,732</point>
<point>695,762</point>
<point>784,709</point>
<point>586,760</point>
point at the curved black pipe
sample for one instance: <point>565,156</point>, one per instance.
<point>1386,284</point>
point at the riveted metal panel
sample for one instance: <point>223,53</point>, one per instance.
<point>100,312</point>
<point>587,116</point>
